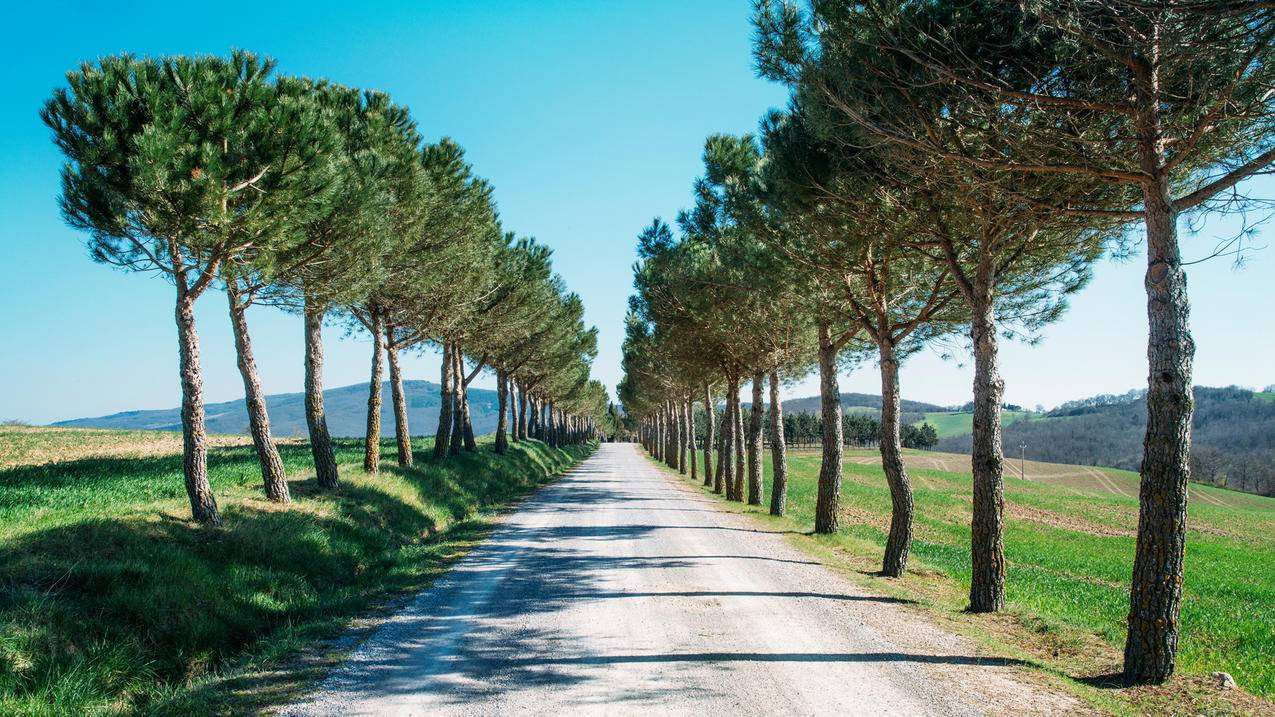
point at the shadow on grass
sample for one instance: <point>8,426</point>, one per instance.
<point>141,607</point>
<point>1108,681</point>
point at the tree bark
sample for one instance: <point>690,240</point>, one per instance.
<point>522,413</point>
<point>1155,598</point>
<point>726,468</point>
<point>709,420</point>
<point>828,503</point>
<point>402,431</point>
<point>446,398</point>
<point>372,444</point>
<point>778,451</point>
<point>739,442</point>
<point>987,549</point>
<point>502,423</point>
<point>755,488</point>
<point>670,435</point>
<point>203,506</point>
<point>681,436</point>
<point>533,417</point>
<point>316,419</point>
<point>689,409</point>
<point>458,401</point>
<point>272,472</point>
<point>467,423</point>
<point>512,409</point>
<point>661,444</point>
<point>899,542</point>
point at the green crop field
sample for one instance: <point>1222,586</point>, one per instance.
<point>112,602</point>
<point>957,423</point>
<point>1069,540</point>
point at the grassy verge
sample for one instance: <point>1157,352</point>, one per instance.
<point>1069,560</point>
<point>111,602</point>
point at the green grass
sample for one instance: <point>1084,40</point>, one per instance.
<point>111,602</point>
<point>1265,395</point>
<point>958,423</point>
<point>1070,558</point>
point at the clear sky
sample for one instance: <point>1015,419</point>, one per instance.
<point>588,117</point>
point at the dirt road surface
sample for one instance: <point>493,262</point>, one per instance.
<point>620,590</point>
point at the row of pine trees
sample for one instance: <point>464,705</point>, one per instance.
<point>947,172</point>
<point>322,200</point>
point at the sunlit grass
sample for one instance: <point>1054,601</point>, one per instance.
<point>111,602</point>
<point>1070,555</point>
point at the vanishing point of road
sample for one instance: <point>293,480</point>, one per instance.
<point>620,590</point>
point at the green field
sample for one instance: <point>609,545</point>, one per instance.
<point>112,602</point>
<point>958,423</point>
<point>1069,539</point>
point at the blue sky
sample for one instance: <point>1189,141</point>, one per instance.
<point>587,117</point>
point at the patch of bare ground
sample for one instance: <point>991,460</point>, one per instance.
<point>1195,695</point>
<point>1060,520</point>
<point>854,515</point>
<point>85,443</point>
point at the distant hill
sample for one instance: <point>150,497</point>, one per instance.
<point>346,408</point>
<point>1233,436</point>
<point>852,401</point>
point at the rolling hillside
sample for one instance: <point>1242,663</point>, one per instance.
<point>346,408</point>
<point>1233,436</point>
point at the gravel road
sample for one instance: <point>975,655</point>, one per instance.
<point>619,590</point>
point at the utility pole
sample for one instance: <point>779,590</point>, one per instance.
<point>1022,460</point>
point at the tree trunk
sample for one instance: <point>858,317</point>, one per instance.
<point>272,472</point>
<point>726,467</point>
<point>446,399</point>
<point>522,413</point>
<point>512,410</point>
<point>828,504</point>
<point>1156,592</point>
<point>402,431</point>
<point>709,419</point>
<point>682,442</point>
<point>739,442</point>
<point>502,423</point>
<point>203,506</point>
<point>458,401</point>
<point>987,549</point>
<point>659,436</point>
<point>467,423</point>
<point>719,480</point>
<point>533,417</point>
<point>689,409</point>
<point>778,451</point>
<point>899,542</point>
<point>372,444</point>
<point>317,421</point>
<point>670,435</point>
<point>754,442</point>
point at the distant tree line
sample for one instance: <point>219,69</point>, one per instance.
<point>858,429</point>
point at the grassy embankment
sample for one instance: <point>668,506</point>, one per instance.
<point>112,602</point>
<point>1069,540</point>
